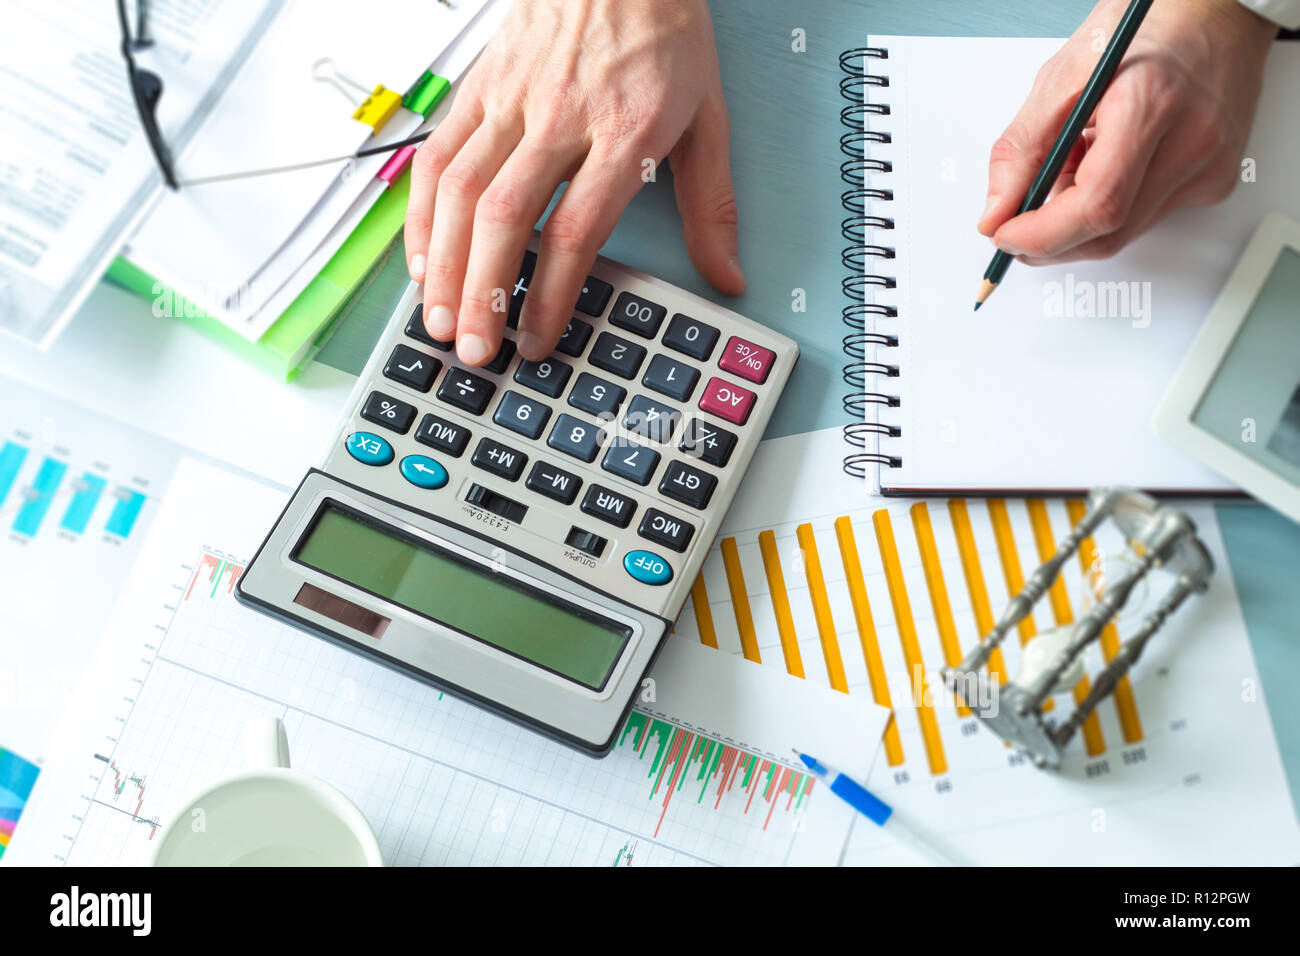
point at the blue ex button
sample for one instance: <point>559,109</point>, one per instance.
<point>647,567</point>
<point>369,449</point>
<point>424,472</point>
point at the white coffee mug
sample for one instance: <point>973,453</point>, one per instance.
<point>268,815</point>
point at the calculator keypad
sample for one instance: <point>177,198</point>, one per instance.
<point>547,376</point>
<point>616,355</point>
<point>635,392</point>
<point>466,391</point>
<point>637,315</point>
<point>651,419</point>
<point>388,411</point>
<point>413,369</point>
<point>499,459</point>
<point>671,377</point>
<point>575,437</point>
<point>629,460</point>
<point>443,435</point>
<point>595,396</point>
<point>608,505</point>
<point>688,484</point>
<point>691,337</point>
<point>523,415</point>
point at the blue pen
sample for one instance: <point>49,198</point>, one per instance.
<point>874,809</point>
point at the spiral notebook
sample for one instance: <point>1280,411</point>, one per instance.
<point>1052,385</point>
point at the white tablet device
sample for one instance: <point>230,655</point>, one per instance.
<point>1235,403</point>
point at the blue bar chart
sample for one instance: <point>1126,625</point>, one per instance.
<point>126,509</point>
<point>37,489</point>
<point>39,496</point>
<point>85,496</point>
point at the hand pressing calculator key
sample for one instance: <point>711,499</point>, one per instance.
<point>524,534</point>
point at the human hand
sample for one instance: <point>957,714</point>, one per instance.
<point>587,91</point>
<point>1168,133</point>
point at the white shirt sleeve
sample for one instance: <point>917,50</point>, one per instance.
<point>1283,12</point>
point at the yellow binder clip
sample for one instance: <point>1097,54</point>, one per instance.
<point>376,108</point>
<point>373,108</point>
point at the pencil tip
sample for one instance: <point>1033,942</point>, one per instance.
<point>977,306</point>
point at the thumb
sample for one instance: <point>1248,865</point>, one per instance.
<point>1019,153</point>
<point>706,199</point>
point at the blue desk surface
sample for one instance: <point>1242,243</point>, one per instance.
<point>785,160</point>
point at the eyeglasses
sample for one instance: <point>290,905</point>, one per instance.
<point>147,90</point>
<point>146,87</point>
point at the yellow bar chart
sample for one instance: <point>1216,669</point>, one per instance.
<point>874,601</point>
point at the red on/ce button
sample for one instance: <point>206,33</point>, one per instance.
<point>726,400</point>
<point>746,359</point>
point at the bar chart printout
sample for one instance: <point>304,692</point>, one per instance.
<point>85,496</point>
<point>702,772</point>
<point>877,598</point>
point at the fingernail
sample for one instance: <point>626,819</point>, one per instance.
<point>988,207</point>
<point>473,349</point>
<point>734,265</point>
<point>530,346</point>
<point>1010,250</point>
<point>417,267</point>
<point>440,322</point>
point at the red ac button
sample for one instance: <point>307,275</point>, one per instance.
<point>726,400</point>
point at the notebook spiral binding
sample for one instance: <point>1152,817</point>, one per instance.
<point>865,340</point>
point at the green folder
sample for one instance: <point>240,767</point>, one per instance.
<point>297,335</point>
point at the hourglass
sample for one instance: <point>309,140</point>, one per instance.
<point>1160,539</point>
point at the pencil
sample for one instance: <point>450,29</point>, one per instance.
<point>1084,107</point>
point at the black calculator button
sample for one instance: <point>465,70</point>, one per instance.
<point>520,289</point>
<point>575,337</point>
<point>388,411</point>
<point>637,315</point>
<point>708,442</point>
<point>672,378</point>
<point>412,368</point>
<point>416,330</point>
<point>575,437</point>
<point>443,435</point>
<point>629,460</point>
<point>501,361</point>
<point>664,529</point>
<point>594,297</point>
<point>691,337</point>
<point>687,484</point>
<point>597,396</point>
<point>466,391</point>
<point>523,415</point>
<point>501,460</point>
<point>554,483</point>
<point>608,505</point>
<point>547,376</point>
<point>616,355</point>
<point>650,419</point>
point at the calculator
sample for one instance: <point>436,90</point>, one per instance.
<point>523,534</point>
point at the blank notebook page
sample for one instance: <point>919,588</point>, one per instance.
<point>1052,385</point>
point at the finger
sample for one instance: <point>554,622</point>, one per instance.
<point>706,198</point>
<point>503,224</point>
<point>1105,188</point>
<point>1066,179</point>
<point>1019,153</point>
<point>577,227</point>
<point>426,166</point>
<point>459,188</point>
<point>1169,184</point>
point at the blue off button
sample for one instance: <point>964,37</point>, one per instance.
<point>423,472</point>
<point>647,567</point>
<point>369,449</point>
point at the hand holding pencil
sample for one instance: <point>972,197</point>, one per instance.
<point>1167,130</point>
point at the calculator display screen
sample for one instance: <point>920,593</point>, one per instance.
<point>470,598</point>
